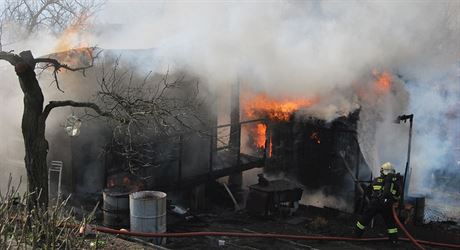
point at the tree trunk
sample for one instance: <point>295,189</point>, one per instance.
<point>33,130</point>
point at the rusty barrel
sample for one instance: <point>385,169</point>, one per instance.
<point>115,208</point>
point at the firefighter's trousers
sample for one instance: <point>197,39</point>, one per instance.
<point>384,209</point>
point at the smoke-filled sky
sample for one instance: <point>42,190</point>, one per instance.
<point>304,49</point>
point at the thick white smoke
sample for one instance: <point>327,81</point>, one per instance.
<point>319,48</point>
<point>305,49</point>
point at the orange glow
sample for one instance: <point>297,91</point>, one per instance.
<point>383,82</point>
<point>270,147</point>
<point>73,45</point>
<point>74,36</point>
<point>380,85</point>
<point>315,137</point>
<point>263,106</point>
<point>126,181</point>
<point>261,130</point>
<point>75,57</point>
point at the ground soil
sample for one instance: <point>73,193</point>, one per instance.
<point>306,221</point>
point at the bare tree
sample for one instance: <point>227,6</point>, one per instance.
<point>138,110</point>
<point>27,17</point>
<point>155,106</point>
<point>19,19</point>
<point>53,15</point>
<point>35,115</point>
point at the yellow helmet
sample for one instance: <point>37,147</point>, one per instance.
<point>387,168</point>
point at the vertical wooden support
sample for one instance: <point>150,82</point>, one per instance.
<point>235,180</point>
<point>357,183</point>
<point>211,151</point>
<point>179,163</point>
<point>235,126</point>
<point>267,140</point>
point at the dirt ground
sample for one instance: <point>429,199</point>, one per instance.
<point>306,221</point>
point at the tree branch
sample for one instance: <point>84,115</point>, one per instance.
<point>93,106</point>
<point>10,57</point>
<point>51,62</point>
<point>57,65</point>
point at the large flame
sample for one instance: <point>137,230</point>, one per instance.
<point>261,137</point>
<point>261,130</point>
<point>262,106</point>
<point>75,36</point>
<point>73,45</point>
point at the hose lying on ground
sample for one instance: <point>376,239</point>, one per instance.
<point>400,225</point>
<point>260,235</point>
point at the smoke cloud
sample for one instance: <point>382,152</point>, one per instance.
<point>316,48</point>
<point>319,48</point>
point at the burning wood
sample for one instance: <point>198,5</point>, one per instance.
<point>75,36</point>
<point>282,110</point>
<point>273,109</point>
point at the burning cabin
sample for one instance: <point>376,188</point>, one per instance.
<point>320,155</point>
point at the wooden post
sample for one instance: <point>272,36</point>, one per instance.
<point>179,174</point>
<point>211,150</point>
<point>235,180</point>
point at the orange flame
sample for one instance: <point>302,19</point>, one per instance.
<point>263,106</point>
<point>260,134</point>
<point>270,147</point>
<point>381,85</point>
<point>75,36</point>
<point>261,130</point>
<point>73,44</point>
<point>383,82</point>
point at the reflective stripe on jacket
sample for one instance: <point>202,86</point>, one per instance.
<point>386,187</point>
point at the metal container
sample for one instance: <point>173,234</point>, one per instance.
<point>148,213</point>
<point>115,208</point>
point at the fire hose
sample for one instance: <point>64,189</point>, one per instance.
<point>400,225</point>
<point>414,241</point>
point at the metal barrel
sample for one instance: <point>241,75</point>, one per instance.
<point>148,213</point>
<point>115,209</point>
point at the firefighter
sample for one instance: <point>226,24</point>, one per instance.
<point>385,192</point>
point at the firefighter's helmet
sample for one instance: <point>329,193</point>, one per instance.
<point>387,168</point>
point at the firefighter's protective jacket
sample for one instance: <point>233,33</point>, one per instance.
<point>386,187</point>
